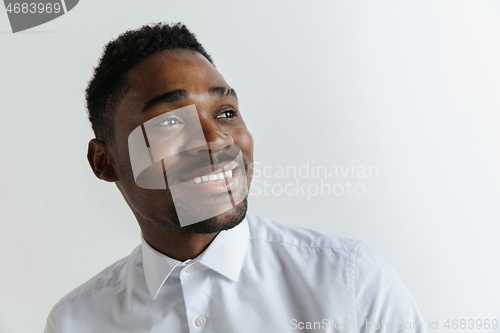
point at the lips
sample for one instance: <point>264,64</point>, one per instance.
<point>223,173</point>
<point>206,190</point>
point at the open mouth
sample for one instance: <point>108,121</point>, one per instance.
<point>217,176</point>
<point>212,177</point>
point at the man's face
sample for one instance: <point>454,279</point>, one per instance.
<point>158,87</point>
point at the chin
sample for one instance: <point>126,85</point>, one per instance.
<point>224,221</point>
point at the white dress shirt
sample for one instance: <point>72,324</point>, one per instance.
<point>260,276</point>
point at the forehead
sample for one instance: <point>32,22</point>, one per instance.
<point>170,70</point>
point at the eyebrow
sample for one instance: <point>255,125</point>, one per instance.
<point>222,92</point>
<point>180,94</point>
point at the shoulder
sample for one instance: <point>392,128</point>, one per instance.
<point>108,280</point>
<point>359,258</point>
<point>272,232</point>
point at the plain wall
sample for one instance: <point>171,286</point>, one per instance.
<point>408,88</point>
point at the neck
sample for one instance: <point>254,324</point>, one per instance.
<point>176,244</point>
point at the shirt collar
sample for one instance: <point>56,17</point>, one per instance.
<point>224,255</point>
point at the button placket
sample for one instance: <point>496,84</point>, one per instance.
<point>196,287</point>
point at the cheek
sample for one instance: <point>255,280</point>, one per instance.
<point>245,141</point>
<point>124,167</point>
<point>164,146</point>
<point>150,204</point>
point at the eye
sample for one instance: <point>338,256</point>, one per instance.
<point>170,121</point>
<point>227,114</point>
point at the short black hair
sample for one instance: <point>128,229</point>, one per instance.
<point>108,84</point>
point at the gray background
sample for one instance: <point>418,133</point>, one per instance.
<point>410,87</point>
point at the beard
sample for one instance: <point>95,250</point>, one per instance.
<point>146,205</point>
<point>224,221</point>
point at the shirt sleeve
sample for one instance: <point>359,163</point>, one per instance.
<point>382,303</point>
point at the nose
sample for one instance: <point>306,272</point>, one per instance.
<point>215,140</point>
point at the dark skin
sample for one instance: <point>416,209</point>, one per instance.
<point>221,122</point>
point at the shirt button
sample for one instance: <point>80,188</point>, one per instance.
<point>200,321</point>
<point>189,269</point>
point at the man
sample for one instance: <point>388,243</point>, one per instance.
<point>170,135</point>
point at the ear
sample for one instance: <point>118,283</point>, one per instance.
<point>100,161</point>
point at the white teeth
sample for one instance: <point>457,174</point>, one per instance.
<point>212,177</point>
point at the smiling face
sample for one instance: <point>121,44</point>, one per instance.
<point>191,120</point>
